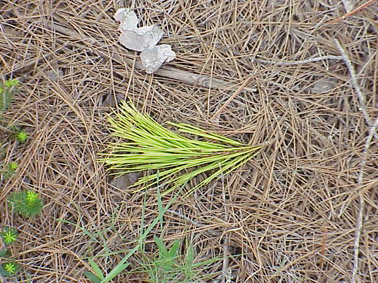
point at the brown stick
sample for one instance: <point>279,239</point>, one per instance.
<point>368,3</point>
<point>238,91</point>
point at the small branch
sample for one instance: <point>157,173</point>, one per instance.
<point>226,240</point>
<point>292,63</point>
<point>356,244</point>
<point>361,96</point>
<point>361,203</point>
<point>372,132</point>
<point>367,4</point>
<point>225,267</point>
<point>238,91</point>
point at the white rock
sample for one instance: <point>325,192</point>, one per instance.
<point>143,39</point>
<point>127,18</point>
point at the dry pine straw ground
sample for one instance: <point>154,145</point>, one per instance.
<point>290,215</point>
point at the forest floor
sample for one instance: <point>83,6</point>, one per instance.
<point>303,210</point>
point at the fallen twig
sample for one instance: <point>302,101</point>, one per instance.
<point>372,132</point>
<point>293,63</point>
<point>361,204</point>
<point>361,96</point>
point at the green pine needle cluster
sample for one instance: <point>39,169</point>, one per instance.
<point>27,203</point>
<point>175,159</point>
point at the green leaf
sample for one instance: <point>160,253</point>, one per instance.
<point>6,93</point>
<point>9,268</point>
<point>96,269</point>
<point>117,270</point>
<point>173,250</point>
<point>9,235</point>
<point>92,277</point>
<point>189,257</point>
<point>163,252</point>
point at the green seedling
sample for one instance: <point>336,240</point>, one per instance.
<point>21,136</point>
<point>97,276</point>
<point>13,166</point>
<point>170,266</point>
<point>26,203</point>
<point>9,235</point>
<point>9,170</point>
<point>7,90</point>
<point>149,146</point>
<point>9,269</point>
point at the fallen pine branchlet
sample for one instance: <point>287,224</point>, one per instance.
<point>174,158</point>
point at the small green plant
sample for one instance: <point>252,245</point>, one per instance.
<point>7,90</point>
<point>21,136</point>
<point>9,170</point>
<point>9,268</point>
<point>149,146</point>
<point>97,276</point>
<point>170,266</point>
<point>9,235</point>
<point>13,166</point>
<point>26,203</point>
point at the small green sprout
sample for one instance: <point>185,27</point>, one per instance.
<point>9,170</point>
<point>10,268</point>
<point>21,136</point>
<point>7,90</point>
<point>31,197</point>
<point>173,266</point>
<point>11,83</point>
<point>13,166</point>
<point>26,203</point>
<point>9,235</point>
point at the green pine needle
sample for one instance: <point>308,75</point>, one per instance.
<point>175,159</point>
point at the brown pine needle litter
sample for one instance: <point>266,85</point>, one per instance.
<point>149,146</point>
<point>304,209</point>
